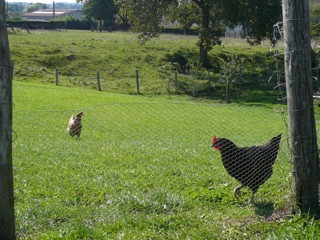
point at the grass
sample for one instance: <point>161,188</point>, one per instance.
<point>116,55</point>
<point>80,54</point>
<point>143,168</point>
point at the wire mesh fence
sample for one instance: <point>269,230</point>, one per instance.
<point>150,156</point>
<point>130,153</point>
<point>145,134</point>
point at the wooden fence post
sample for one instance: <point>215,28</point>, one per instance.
<point>7,220</point>
<point>303,134</point>
<point>209,79</point>
<point>12,68</point>
<point>137,81</point>
<point>57,76</point>
<point>176,82</point>
<point>98,80</point>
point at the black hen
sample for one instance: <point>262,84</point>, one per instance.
<point>75,126</point>
<point>251,166</point>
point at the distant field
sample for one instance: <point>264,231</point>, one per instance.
<point>78,55</point>
<point>143,168</point>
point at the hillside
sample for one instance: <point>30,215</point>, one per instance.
<point>78,55</point>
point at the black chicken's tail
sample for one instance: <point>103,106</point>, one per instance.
<point>273,147</point>
<point>275,141</point>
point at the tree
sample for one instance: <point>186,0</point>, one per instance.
<point>256,16</point>
<point>147,16</point>
<point>186,14</point>
<point>100,10</point>
<point>122,13</point>
<point>315,19</point>
<point>231,72</point>
<point>211,27</point>
<point>36,6</point>
<point>15,10</point>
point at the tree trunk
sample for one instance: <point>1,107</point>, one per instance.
<point>303,139</point>
<point>203,58</point>
<point>7,223</point>
<point>100,25</point>
<point>203,44</point>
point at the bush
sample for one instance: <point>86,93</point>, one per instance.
<point>74,23</point>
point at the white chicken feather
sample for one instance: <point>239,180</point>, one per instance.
<point>75,126</point>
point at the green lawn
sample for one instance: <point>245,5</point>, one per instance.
<point>78,55</point>
<point>142,169</point>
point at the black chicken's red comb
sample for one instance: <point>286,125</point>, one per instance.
<point>214,139</point>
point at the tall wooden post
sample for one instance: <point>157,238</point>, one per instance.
<point>176,82</point>
<point>53,10</point>
<point>209,79</point>
<point>7,223</point>
<point>98,80</point>
<point>57,76</point>
<point>137,82</point>
<point>303,135</point>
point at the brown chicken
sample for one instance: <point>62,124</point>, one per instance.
<point>251,166</point>
<point>75,126</point>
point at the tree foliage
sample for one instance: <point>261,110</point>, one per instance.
<point>231,72</point>
<point>15,7</point>
<point>122,14</point>
<point>315,19</point>
<point>211,27</point>
<point>147,16</point>
<point>15,11</point>
<point>185,14</point>
<point>256,16</point>
<point>100,10</point>
<point>212,16</point>
<point>36,6</point>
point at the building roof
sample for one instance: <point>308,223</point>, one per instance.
<point>49,12</point>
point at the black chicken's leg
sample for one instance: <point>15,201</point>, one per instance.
<point>252,197</point>
<point>237,191</point>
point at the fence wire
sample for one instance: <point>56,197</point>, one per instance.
<point>144,133</point>
<point>130,155</point>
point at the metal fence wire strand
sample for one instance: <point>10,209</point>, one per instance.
<point>248,146</point>
<point>156,135</point>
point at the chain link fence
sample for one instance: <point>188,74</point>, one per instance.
<point>151,131</point>
<point>129,149</point>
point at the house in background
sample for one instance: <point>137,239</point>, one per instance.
<point>50,14</point>
<point>236,32</point>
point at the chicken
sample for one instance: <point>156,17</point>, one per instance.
<point>74,125</point>
<point>251,166</point>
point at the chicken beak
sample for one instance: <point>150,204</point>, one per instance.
<point>215,146</point>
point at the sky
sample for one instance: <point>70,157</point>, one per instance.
<point>42,1</point>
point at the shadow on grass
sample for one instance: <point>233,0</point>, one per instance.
<point>262,93</point>
<point>264,209</point>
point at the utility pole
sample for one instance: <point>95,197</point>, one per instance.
<point>7,223</point>
<point>54,10</point>
<point>303,135</point>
